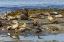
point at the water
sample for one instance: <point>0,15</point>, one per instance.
<point>58,37</point>
<point>9,5</point>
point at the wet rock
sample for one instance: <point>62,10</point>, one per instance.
<point>23,17</point>
<point>25,12</point>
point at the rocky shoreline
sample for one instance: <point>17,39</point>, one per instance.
<point>23,25</point>
<point>43,22</point>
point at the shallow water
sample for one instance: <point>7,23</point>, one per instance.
<point>58,37</point>
<point>43,36</point>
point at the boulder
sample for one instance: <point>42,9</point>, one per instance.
<point>23,17</point>
<point>25,12</point>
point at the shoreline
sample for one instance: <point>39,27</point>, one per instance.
<point>36,11</point>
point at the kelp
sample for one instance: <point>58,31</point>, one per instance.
<point>35,11</point>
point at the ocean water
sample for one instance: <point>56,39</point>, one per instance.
<point>9,5</point>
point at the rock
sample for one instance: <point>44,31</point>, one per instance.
<point>25,12</point>
<point>23,17</point>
